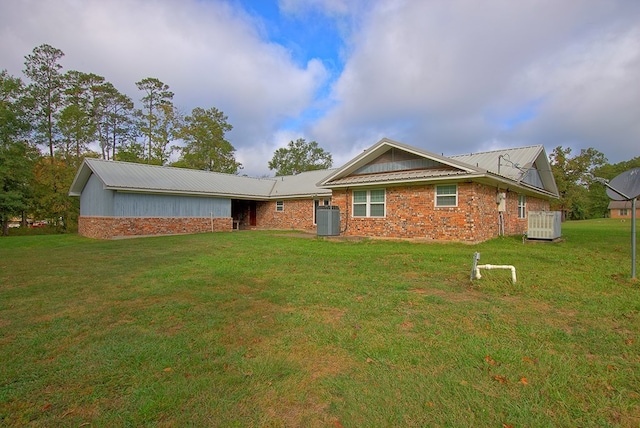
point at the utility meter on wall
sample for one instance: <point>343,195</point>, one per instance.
<point>501,200</point>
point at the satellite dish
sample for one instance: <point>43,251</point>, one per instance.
<point>626,185</point>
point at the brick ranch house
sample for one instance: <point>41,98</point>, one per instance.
<point>391,190</point>
<point>622,209</point>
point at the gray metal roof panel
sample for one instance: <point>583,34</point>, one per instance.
<point>152,178</point>
<point>300,184</point>
<point>510,163</point>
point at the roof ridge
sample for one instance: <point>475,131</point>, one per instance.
<point>137,164</point>
<point>497,150</point>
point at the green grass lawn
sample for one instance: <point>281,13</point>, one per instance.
<point>270,329</point>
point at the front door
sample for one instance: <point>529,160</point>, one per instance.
<point>252,213</point>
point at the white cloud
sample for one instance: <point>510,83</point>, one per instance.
<point>209,53</point>
<point>451,76</point>
<point>439,74</point>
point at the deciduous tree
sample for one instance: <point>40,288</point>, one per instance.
<point>206,148</point>
<point>571,175</point>
<point>300,156</point>
<point>16,156</point>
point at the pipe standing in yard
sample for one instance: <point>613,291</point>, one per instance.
<point>475,270</point>
<point>489,267</point>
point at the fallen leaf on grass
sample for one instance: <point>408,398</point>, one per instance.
<point>369,360</point>
<point>490,360</point>
<point>523,380</point>
<point>507,425</point>
<point>167,369</point>
<point>503,380</point>
<point>529,360</point>
<point>46,407</point>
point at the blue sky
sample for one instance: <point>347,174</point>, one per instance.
<point>307,35</point>
<point>449,76</point>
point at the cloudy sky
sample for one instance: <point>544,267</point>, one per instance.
<point>449,76</point>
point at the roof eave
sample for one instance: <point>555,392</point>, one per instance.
<point>80,180</point>
<point>406,181</point>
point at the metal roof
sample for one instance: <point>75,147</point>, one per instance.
<point>136,177</point>
<point>513,165</point>
<point>381,147</point>
<point>303,184</point>
<point>510,163</point>
<point>506,166</point>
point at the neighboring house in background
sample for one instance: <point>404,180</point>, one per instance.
<point>391,190</point>
<point>622,209</point>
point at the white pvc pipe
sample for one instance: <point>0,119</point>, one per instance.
<point>489,267</point>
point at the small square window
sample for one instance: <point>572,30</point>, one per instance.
<point>447,195</point>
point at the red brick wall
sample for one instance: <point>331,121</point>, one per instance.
<point>113,227</point>
<point>615,212</point>
<point>297,215</point>
<point>411,213</point>
<point>517,226</point>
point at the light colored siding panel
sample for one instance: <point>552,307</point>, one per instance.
<point>147,205</point>
<point>95,200</point>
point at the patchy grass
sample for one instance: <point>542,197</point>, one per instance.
<point>268,329</point>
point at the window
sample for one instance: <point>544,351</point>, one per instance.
<point>522,206</point>
<point>447,195</point>
<point>369,203</point>
<point>624,212</point>
<point>279,206</point>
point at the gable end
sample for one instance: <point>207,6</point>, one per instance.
<point>395,160</point>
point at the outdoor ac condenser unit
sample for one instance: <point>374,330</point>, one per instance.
<point>328,220</point>
<point>544,225</point>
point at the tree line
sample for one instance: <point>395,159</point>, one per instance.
<point>55,119</point>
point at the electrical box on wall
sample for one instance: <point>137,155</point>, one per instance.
<point>501,200</point>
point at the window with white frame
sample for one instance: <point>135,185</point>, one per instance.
<point>522,206</point>
<point>279,206</point>
<point>369,203</point>
<point>447,195</point>
<point>624,212</point>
